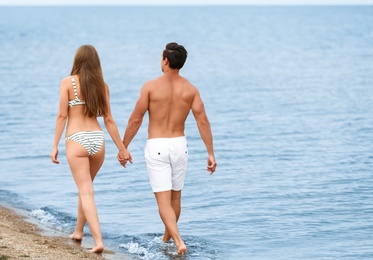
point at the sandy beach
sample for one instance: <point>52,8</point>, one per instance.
<point>22,239</point>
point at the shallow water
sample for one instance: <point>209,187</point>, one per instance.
<point>288,91</point>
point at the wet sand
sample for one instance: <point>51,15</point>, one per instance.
<point>22,239</point>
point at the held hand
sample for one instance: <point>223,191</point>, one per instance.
<point>211,164</point>
<point>123,157</point>
<point>54,155</point>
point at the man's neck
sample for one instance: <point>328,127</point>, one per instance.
<point>171,72</point>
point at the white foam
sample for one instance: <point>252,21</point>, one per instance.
<point>48,219</point>
<point>157,240</point>
<point>135,248</point>
<point>43,216</point>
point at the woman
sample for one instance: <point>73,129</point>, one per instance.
<point>83,97</point>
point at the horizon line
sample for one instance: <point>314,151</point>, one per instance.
<point>194,4</point>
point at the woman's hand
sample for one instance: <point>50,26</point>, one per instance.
<point>54,155</point>
<point>123,157</point>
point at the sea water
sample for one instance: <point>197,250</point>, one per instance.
<point>289,95</point>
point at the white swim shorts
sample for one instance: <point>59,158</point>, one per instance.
<point>166,160</point>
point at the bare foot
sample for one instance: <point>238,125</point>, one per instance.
<point>181,249</point>
<point>97,249</point>
<point>76,236</point>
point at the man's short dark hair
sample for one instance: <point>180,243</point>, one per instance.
<point>176,55</point>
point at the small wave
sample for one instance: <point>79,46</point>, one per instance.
<point>52,218</point>
<point>135,248</point>
<point>9,197</point>
<point>151,247</point>
<point>148,247</point>
<point>43,216</point>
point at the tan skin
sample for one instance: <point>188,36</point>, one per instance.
<point>168,100</point>
<point>84,168</point>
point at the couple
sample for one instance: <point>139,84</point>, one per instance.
<point>84,96</point>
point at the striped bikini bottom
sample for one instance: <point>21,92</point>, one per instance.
<point>92,141</point>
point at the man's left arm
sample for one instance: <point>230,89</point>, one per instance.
<point>204,128</point>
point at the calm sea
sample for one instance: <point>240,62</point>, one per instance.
<point>288,91</point>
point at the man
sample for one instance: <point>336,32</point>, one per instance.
<point>168,99</point>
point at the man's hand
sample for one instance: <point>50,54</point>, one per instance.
<point>123,157</point>
<point>211,164</point>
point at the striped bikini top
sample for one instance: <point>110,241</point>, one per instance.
<point>76,101</point>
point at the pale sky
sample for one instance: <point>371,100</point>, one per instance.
<point>186,2</point>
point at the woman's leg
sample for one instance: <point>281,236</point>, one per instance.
<point>79,163</point>
<point>80,223</point>
<point>95,162</point>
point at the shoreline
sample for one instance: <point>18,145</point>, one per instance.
<point>22,237</point>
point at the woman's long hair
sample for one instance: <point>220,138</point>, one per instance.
<point>92,86</point>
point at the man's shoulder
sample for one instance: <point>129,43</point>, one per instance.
<point>161,80</point>
<point>187,84</point>
<point>149,83</point>
<point>153,82</point>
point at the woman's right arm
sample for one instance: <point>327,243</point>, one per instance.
<point>61,119</point>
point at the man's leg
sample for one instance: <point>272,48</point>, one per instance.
<point>176,206</point>
<point>169,218</point>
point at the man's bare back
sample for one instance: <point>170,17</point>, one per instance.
<point>170,100</point>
